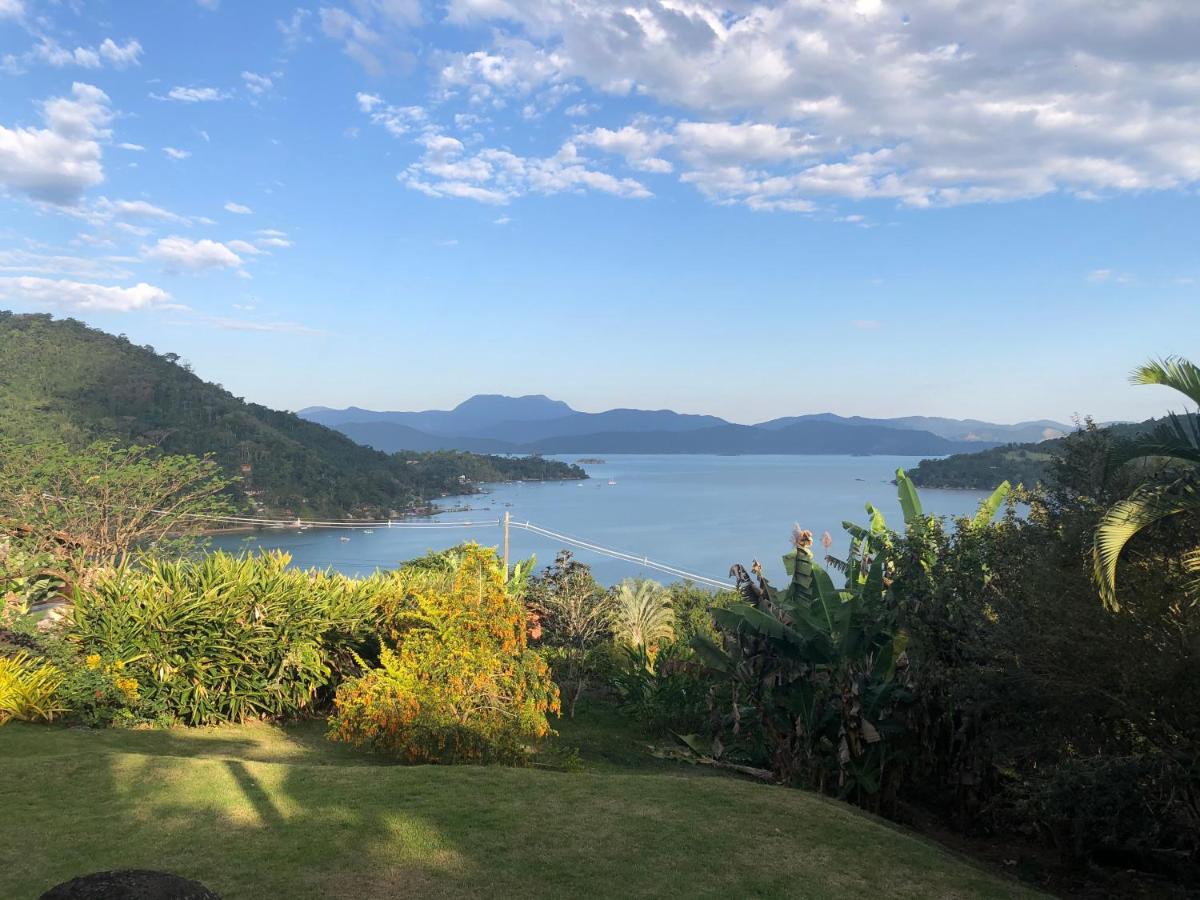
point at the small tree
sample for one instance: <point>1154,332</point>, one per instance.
<point>642,614</point>
<point>577,615</point>
<point>98,503</point>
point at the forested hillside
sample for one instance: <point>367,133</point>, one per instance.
<point>61,380</point>
<point>1026,464</point>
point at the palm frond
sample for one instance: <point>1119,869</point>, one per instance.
<point>1177,438</point>
<point>1172,371</point>
<point>1147,505</point>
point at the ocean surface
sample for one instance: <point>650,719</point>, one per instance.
<point>699,514</point>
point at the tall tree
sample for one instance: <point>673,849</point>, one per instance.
<point>100,502</point>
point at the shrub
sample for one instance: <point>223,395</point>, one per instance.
<point>222,638</point>
<point>459,682</point>
<point>28,689</point>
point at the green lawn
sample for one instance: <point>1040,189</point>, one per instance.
<point>264,812</point>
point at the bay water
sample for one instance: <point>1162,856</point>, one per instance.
<point>696,513</point>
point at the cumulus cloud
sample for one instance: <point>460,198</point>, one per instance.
<point>71,296</point>
<point>50,52</point>
<point>176,153</point>
<point>180,254</point>
<point>496,176</point>
<point>926,103</point>
<point>238,209</point>
<point>57,163</point>
<point>11,9</point>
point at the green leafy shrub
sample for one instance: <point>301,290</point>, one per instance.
<point>459,682</point>
<point>224,638</point>
<point>28,689</point>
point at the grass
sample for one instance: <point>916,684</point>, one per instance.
<point>259,811</point>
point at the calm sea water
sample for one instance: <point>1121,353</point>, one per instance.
<point>696,513</point>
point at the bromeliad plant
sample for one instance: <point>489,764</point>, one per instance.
<point>223,638</point>
<point>817,674</point>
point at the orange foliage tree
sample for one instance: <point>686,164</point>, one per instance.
<point>457,680</point>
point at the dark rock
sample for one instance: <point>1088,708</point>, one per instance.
<point>130,884</point>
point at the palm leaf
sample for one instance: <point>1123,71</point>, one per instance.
<point>1177,438</point>
<point>1173,372</point>
<point>1147,505</point>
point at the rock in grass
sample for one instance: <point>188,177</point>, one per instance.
<point>130,884</point>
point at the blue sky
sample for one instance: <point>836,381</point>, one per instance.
<point>981,209</point>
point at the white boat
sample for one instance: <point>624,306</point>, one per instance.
<point>345,540</point>
<point>610,481</point>
<point>368,531</point>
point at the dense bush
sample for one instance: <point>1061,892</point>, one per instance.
<point>457,680</point>
<point>222,638</point>
<point>28,689</point>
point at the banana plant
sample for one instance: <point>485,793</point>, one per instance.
<point>818,671</point>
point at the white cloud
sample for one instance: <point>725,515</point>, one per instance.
<point>257,84</point>
<point>11,9</point>
<point>121,55</point>
<point>50,52</point>
<point>226,324</point>
<point>294,29</point>
<point>137,210</point>
<point>1110,276</point>
<point>82,296</point>
<point>244,247</point>
<point>398,120</point>
<point>59,162</point>
<point>29,262</point>
<point>175,153</point>
<point>280,242</point>
<point>194,95</point>
<point>180,254</point>
<point>238,209</point>
<point>496,176</point>
<point>929,102</point>
<point>137,148</point>
<point>638,146</point>
<point>502,220</point>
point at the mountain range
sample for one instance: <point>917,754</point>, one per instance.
<point>493,423</point>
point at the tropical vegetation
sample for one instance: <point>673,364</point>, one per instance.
<point>1023,676</point>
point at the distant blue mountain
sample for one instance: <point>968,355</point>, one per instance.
<point>469,418</point>
<point>491,423</point>
<point>954,429</point>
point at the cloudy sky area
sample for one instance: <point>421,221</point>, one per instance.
<point>955,207</point>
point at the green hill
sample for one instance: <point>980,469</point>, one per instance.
<point>1025,464</point>
<point>61,380</point>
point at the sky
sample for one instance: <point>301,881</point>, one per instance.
<point>970,208</point>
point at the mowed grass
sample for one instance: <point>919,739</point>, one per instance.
<point>264,812</point>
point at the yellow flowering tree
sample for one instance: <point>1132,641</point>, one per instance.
<point>458,681</point>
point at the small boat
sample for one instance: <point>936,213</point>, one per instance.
<point>610,481</point>
<point>368,531</point>
<point>344,540</point>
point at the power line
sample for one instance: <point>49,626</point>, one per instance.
<point>360,525</point>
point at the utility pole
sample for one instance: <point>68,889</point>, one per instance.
<point>507,516</point>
